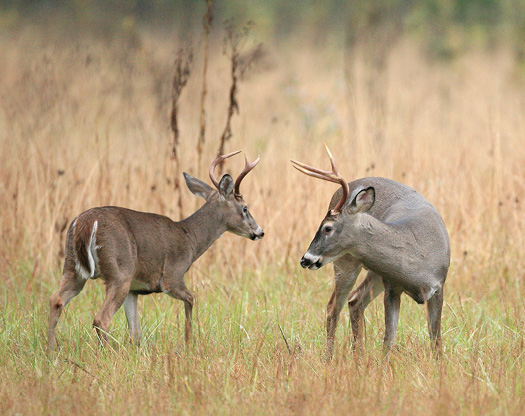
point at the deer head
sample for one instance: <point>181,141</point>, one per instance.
<point>228,198</point>
<point>332,238</point>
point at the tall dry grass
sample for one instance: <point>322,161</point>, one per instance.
<point>84,122</point>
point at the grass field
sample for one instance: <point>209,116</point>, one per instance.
<point>84,121</point>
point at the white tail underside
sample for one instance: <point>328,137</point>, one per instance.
<point>92,256</point>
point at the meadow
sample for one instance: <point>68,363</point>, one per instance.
<point>84,121</point>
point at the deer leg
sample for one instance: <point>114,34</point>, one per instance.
<point>70,286</point>
<point>132,316</point>
<point>116,291</point>
<point>434,308</point>
<point>178,290</point>
<point>188,310</point>
<point>359,299</point>
<point>346,270</point>
<point>392,302</point>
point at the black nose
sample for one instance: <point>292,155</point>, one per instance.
<point>257,236</point>
<point>305,262</point>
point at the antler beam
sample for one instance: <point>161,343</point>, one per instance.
<point>247,168</point>
<point>331,176</point>
<point>218,159</point>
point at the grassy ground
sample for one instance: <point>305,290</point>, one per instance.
<point>239,361</point>
<point>84,122</point>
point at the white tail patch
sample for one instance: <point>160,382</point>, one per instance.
<point>92,256</point>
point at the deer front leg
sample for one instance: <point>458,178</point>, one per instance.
<point>392,304</point>
<point>176,288</point>
<point>346,270</point>
<point>359,299</point>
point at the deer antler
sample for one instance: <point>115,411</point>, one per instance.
<point>331,176</point>
<point>247,168</point>
<point>218,159</point>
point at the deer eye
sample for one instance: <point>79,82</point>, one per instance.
<point>328,229</point>
<point>245,209</point>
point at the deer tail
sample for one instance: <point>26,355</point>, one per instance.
<point>85,247</point>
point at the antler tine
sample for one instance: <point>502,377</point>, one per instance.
<point>316,173</point>
<point>247,168</point>
<point>218,159</point>
<point>332,162</point>
<point>341,180</point>
<point>331,176</point>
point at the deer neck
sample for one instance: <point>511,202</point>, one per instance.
<point>382,247</point>
<point>203,227</point>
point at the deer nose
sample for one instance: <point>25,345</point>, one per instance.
<point>305,262</point>
<point>259,233</point>
<point>313,262</point>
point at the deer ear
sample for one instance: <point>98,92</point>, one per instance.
<point>226,186</point>
<point>198,187</point>
<point>362,199</point>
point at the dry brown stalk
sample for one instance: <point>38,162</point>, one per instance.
<point>81,367</point>
<point>206,22</point>
<point>183,65</point>
<point>234,43</point>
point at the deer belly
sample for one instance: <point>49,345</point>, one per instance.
<point>422,295</point>
<point>420,287</point>
<point>143,287</point>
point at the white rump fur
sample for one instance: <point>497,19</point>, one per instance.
<point>92,256</point>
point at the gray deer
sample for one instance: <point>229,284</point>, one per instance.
<point>393,232</point>
<point>138,253</point>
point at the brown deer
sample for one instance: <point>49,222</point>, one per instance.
<point>138,253</point>
<point>393,232</point>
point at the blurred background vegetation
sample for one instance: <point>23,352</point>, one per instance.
<point>444,28</point>
<point>429,93</point>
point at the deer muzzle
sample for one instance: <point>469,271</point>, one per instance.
<point>309,261</point>
<point>258,234</point>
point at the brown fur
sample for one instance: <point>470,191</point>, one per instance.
<point>83,226</point>
<point>142,253</point>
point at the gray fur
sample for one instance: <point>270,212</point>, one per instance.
<point>403,242</point>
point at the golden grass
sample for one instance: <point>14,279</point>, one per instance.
<point>84,122</point>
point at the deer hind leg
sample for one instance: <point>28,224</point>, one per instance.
<point>359,299</point>
<point>178,290</point>
<point>434,308</point>
<point>132,315</point>
<point>117,289</point>
<point>346,270</point>
<point>70,286</point>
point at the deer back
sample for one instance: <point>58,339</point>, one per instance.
<point>402,236</point>
<point>139,242</point>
